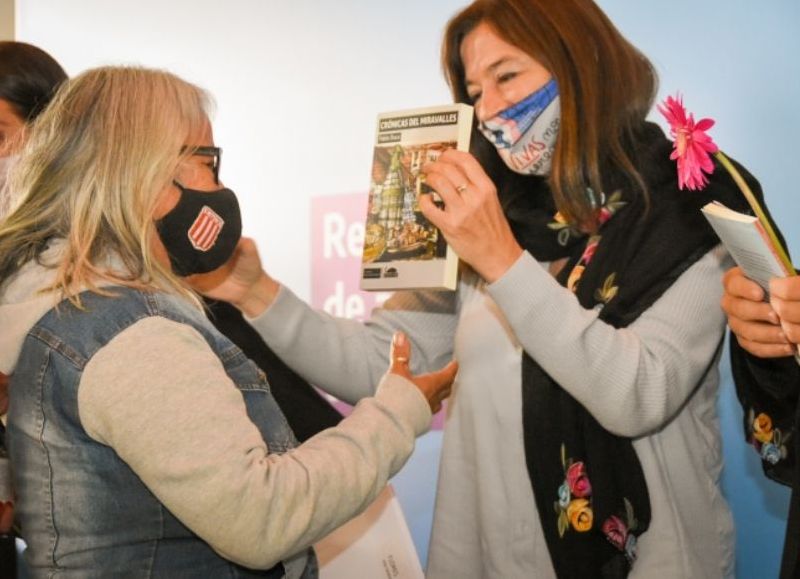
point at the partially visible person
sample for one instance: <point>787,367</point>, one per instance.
<point>767,377</point>
<point>142,439</point>
<point>29,77</point>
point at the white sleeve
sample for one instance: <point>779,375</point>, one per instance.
<point>632,380</point>
<point>346,357</point>
<point>159,396</point>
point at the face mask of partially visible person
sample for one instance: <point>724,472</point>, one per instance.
<point>201,232</point>
<point>525,133</point>
<point>5,196</point>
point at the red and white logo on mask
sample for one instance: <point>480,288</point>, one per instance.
<point>204,231</point>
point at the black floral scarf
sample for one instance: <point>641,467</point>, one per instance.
<point>588,483</point>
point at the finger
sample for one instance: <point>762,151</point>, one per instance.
<point>469,166</point>
<point>447,172</point>
<point>400,354</point>
<point>786,288</point>
<point>748,310</point>
<point>766,350</point>
<point>446,188</point>
<point>787,310</point>
<point>737,285</point>
<point>791,331</point>
<point>759,332</point>
<point>433,213</point>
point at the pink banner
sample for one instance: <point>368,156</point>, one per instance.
<point>337,239</point>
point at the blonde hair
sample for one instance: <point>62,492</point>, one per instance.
<point>92,172</point>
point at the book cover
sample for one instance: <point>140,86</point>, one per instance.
<point>759,255</point>
<point>402,249</point>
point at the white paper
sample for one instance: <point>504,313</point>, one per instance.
<point>375,545</point>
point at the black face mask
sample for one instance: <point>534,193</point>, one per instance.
<point>201,231</point>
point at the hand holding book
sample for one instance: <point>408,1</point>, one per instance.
<point>472,219</point>
<point>758,326</point>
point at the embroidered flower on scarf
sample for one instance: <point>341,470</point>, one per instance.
<point>762,428</point>
<point>769,442</point>
<point>619,532</point>
<point>574,507</point>
<point>608,291</point>
<point>564,228</point>
<point>616,531</point>
<point>577,480</point>
<point>580,515</point>
<point>604,213</point>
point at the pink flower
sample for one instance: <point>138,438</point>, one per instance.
<point>590,250</point>
<point>615,531</point>
<point>692,146</point>
<point>577,480</point>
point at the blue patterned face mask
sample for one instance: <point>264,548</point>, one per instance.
<point>525,133</point>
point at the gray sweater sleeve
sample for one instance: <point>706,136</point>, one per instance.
<point>182,426</point>
<point>633,380</point>
<point>346,357</point>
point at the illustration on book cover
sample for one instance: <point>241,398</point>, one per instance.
<point>396,228</point>
<point>402,249</point>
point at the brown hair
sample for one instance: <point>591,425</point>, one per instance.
<point>606,86</point>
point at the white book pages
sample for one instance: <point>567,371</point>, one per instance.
<point>376,545</point>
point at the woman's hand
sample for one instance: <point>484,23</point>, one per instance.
<point>756,323</point>
<point>434,386</point>
<point>784,296</point>
<point>472,220</point>
<point>241,281</point>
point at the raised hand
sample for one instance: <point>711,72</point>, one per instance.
<point>472,219</point>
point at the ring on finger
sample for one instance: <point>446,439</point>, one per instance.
<point>401,359</point>
<point>461,188</point>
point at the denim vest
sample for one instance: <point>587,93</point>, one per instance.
<point>83,512</point>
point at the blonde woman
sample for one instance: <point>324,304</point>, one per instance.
<point>143,442</point>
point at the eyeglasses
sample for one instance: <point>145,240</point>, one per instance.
<point>214,152</point>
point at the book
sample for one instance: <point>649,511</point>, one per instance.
<point>402,249</point>
<point>376,543</point>
<point>760,256</point>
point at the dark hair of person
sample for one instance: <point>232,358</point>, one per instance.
<point>606,85</point>
<point>29,77</point>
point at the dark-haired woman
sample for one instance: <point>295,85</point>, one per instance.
<point>29,78</point>
<point>582,436</point>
